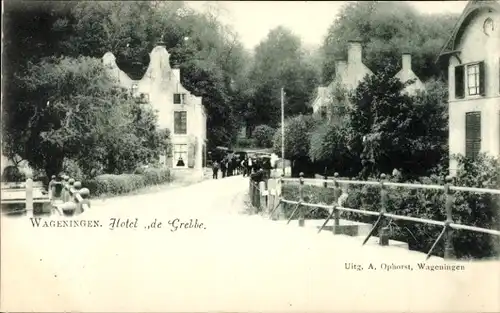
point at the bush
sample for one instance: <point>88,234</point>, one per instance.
<point>472,209</point>
<point>110,184</point>
<point>263,136</point>
<point>297,132</point>
<point>246,143</point>
<point>72,169</point>
<point>13,174</point>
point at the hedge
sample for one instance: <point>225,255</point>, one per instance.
<point>481,210</point>
<point>109,184</point>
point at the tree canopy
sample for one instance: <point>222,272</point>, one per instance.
<point>387,29</point>
<point>57,90</point>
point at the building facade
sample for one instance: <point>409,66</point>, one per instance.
<point>472,54</point>
<point>349,73</point>
<point>178,109</point>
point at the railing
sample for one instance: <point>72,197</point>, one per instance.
<point>275,200</point>
<point>74,198</point>
<point>65,196</point>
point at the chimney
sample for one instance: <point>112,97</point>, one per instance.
<point>406,62</point>
<point>340,67</point>
<point>354,51</point>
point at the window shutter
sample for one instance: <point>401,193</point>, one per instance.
<point>482,79</point>
<point>472,134</point>
<point>459,82</point>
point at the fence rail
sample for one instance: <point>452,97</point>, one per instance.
<point>64,195</point>
<point>273,196</point>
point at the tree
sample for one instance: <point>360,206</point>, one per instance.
<point>211,59</point>
<point>80,114</point>
<point>390,129</point>
<point>387,29</point>
<point>263,136</point>
<point>280,61</point>
<point>329,150</point>
<point>297,141</point>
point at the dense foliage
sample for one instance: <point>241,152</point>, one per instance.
<point>387,29</point>
<point>52,50</point>
<point>263,136</point>
<point>280,62</point>
<point>390,129</point>
<point>71,109</point>
<point>111,184</point>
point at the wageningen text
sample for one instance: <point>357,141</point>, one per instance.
<point>403,267</point>
<point>119,223</point>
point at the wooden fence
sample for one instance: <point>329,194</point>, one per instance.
<point>64,196</point>
<point>270,199</point>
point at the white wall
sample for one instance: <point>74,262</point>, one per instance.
<point>476,46</point>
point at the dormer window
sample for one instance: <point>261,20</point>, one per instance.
<point>179,98</point>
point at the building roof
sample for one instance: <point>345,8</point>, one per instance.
<point>468,12</point>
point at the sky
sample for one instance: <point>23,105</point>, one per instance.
<point>310,20</point>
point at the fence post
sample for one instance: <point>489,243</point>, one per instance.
<point>262,196</point>
<point>301,199</point>
<point>51,187</point>
<point>384,230</point>
<point>325,185</point>
<point>85,193</point>
<point>66,185</point>
<point>57,188</point>
<point>336,213</point>
<point>77,186</point>
<point>271,192</point>
<point>64,191</point>
<point>448,239</point>
<point>29,197</point>
<point>278,194</point>
<point>71,196</point>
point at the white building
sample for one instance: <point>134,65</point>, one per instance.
<point>349,73</point>
<point>473,54</point>
<point>178,110</point>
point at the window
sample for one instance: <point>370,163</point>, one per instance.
<point>472,134</point>
<point>179,98</point>
<point>473,79</point>
<point>180,155</point>
<point>180,122</point>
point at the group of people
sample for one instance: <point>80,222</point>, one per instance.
<point>233,165</point>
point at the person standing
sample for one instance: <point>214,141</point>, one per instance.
<point>249,166</point>
<point>215,169</point>
<point>223,167</point>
